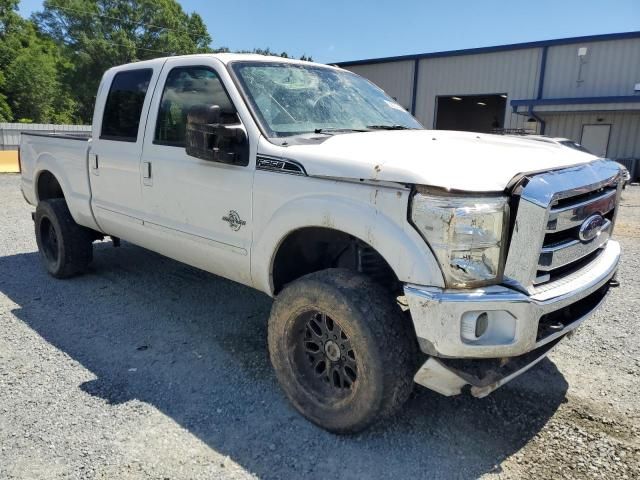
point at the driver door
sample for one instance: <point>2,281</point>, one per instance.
<point>197,211</point>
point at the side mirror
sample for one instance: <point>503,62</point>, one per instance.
<point>208,138</point>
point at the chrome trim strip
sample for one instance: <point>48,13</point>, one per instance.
<point>565,253</point>
<point>460,296</point>
<point>574,215</point>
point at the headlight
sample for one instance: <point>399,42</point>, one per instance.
<point>467,235</point>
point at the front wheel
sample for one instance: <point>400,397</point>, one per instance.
<point>342,350</point>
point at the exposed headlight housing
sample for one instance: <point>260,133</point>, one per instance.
<point>466,233</point>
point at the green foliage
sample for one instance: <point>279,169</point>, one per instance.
<point>264,51</point>
<point>5,109</point>
<point>99,34</point>
<point>31,85</point>
<point>51,65</point>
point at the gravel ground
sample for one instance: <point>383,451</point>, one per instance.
<point>146,368</point>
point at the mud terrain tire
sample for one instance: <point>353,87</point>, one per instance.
<point>66,248</point>
<point>349,391</point>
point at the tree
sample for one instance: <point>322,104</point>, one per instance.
<point>99,34</point>
<point>31,71</point>
<point>9,26</point>
<point>264,51</point>
<point>50,66</point>
<point>5,109</point>
<point>33,84</point>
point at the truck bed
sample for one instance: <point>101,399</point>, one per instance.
<point>66,157</point>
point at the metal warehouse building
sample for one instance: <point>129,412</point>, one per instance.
<point>585,88</point>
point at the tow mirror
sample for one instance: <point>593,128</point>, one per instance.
<point>216,136</point>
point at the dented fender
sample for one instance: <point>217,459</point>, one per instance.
<point>374,214</point>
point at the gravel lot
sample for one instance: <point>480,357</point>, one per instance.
<point>146,368</point>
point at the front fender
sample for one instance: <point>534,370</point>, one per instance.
<point>377,218</point>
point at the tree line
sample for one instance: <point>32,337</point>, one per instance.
<point>51,63</point>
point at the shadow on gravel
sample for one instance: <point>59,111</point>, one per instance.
<point>194,346</point>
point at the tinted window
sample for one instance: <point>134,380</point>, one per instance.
<point>184,88</point>
<point>121,117</point>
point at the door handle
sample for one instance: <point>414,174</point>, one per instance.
<point>93,162</point>
<point>146,174</point>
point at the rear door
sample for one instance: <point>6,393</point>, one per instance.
<point>114,158</point>
<point>198,211</point>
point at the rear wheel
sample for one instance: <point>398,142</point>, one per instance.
<point>65,247</point>
<point>342,351</point>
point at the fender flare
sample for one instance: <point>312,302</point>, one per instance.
<point>394,239</point>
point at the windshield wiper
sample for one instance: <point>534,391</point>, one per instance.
<point>329,131</point>
<point>389,127</point>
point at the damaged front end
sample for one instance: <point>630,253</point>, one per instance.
<point>481,376</point>
<point>559,266</point>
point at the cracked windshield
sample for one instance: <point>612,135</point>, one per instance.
<point>295,99</point>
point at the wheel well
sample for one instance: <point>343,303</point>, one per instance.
<point>312,249</point>
<point>48,186</point>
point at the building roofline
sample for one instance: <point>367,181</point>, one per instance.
<point>497,48</point>
<point>573,101</point>
<point>577,100</point>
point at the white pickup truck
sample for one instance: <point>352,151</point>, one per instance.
<point>394,254</point>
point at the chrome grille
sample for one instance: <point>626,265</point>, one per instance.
<point>554,207</point>
<point>561,247</point>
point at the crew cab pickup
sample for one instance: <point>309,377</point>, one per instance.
<point>394,254</point>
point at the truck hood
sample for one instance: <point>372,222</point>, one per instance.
<point>453,160</point>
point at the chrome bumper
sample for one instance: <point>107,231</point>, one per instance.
<point>518,341</point>
<point>438,314</point>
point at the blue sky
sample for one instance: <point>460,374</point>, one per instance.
<point>333,30</point>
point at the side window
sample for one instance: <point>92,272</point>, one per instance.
<point>184,88</point>
<point>121,117</point>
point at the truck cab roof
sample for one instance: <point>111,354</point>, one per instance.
<point>225,58</point>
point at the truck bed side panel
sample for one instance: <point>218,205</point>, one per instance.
<point>66,157</point>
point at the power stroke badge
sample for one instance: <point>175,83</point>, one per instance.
<point>234,220</point>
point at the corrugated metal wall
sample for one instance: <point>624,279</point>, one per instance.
<point>395,78</point>
<point>609,68</point>
<point>514,73</point>
<point>10,132</point>
<point>624,138</point>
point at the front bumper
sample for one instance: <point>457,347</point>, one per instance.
<point>438,314</point>
<point>518,324</point>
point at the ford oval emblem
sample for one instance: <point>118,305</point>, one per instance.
<point>591,227</point>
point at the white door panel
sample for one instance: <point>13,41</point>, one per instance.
<point>194,205</point>
<point>115,154</point>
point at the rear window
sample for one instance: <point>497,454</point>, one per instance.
<point>122,111</point>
